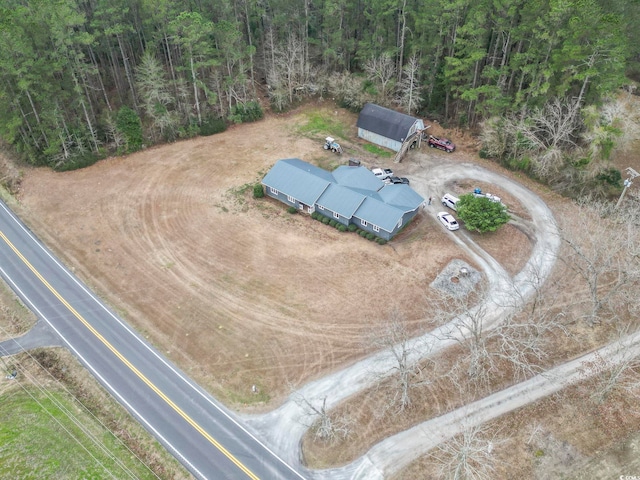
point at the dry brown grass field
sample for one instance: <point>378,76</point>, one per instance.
<point>237,291</point>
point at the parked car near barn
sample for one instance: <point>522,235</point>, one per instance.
<point>441,143</point>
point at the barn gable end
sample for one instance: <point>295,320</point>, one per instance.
<point>386,127</point>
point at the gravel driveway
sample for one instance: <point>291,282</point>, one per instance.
<point>284,427</point>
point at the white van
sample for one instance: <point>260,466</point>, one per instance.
<point>450,201</point>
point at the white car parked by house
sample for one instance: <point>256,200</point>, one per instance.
<point>450,201</point>
<point>448,221</point>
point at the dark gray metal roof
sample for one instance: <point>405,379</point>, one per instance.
<point>385,122</point>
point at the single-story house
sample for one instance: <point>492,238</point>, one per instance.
<point>349,195</point>
<point>386,127</point>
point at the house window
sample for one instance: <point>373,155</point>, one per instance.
<point>274,191</point>
<point>320,207</point>
<point>291,199</point>
<point>376,228</point>
<point>336,215</point>
<point>363,223</point>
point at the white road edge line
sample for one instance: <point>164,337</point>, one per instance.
<point>97,375</point>
<point>137,337</point>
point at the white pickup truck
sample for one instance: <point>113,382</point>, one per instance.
<point>494,198</point>
<point>382,173</point>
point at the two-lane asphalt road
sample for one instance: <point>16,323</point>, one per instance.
<point>203,435</point>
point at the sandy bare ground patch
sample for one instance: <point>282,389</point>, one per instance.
<point>235,290</point>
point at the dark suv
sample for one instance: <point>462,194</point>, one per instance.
<point>402,180</point>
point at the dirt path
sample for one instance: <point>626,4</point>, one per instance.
<point>394,453</point>
<point>238,292</point>
<point>283,428</point>
<point>235,290</point>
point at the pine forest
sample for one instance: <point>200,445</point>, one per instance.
<point>82,79</point>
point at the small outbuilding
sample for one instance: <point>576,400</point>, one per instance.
<point>386,127</point>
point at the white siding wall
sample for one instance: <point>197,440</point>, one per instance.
<point>387,142</point>
<point>379,140</point>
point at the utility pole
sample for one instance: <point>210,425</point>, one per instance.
<point>627,183</point>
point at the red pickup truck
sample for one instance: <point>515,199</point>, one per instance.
<point>441,143</point>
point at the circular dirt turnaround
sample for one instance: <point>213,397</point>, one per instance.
<point>237,291</point>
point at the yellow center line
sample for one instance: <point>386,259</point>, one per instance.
<point>140,375</point>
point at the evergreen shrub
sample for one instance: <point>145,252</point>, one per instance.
<point>128,123</point>
<point>247,112</point>
<point>611,176</point>
<point>189,131</point>
<point>78,162</point>
<point>258,191</point>
<point>212,125</point>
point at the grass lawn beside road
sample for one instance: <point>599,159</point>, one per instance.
<point>43,434</point>
<point>57,422</point>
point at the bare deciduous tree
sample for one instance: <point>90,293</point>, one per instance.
<point>519,342</point>
<point>468,331</point>
<point>609,376</point>
<point>406,371</point>
<point>555,125</point>
<point>409,87</point>
<point>622,113</point>
<point>348,88</point>
<point>522,339</point>
<point>382,70</point>
<point>326,425</point>
<point>289,72</point>
<point>468,456</point>
<point>522,343</point>
<point>114,136</point>
<point>544,134</point>
<point>550,131</point>
<point>602,245</point>
<point>495,139</point>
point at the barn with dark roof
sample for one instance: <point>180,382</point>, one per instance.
<point>386,127</point>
